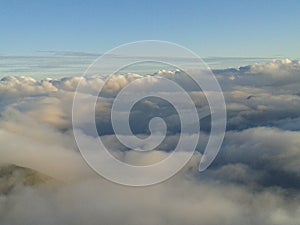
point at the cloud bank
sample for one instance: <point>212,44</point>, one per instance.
<point>254,180</point>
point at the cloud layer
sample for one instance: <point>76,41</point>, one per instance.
<point>254,180</point>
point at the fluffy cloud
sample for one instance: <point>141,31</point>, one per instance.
<point>278,68</point>
<point>254,180</point>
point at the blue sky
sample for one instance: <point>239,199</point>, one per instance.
<point>209,28</point>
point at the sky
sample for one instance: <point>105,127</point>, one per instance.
<point>50,128</point>
<point>209,28</point>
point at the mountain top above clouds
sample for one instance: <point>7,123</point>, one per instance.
<point>13,176</point>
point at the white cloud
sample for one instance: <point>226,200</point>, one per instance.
<point>255,179</point>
